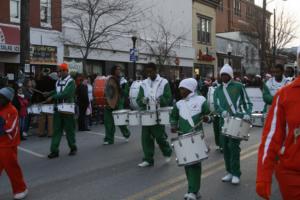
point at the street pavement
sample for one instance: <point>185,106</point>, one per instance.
<point>101,172</point>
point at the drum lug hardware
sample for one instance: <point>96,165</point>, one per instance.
<point>197,155</point>
<point>180,144</point>
<point>192,139</point>
<point>184,159</point>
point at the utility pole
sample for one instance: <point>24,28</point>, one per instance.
<point>25,36</point>
<point>274,39</point>
<point>263,39</point>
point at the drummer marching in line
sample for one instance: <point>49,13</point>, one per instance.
<point>187,113</point>
<point>273,85</point>
<point>109,124</point>
<point>64,93</point>
<point>231,99</point>
<point>155,91</point>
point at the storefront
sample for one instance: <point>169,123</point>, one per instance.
<point>9,50</point>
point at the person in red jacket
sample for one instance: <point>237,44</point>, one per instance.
<point>9,141</point>
<point>279,150</point>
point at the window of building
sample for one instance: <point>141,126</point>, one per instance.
<point>15,6</point>
<point>45,13</point>
<point>204,29</point>
<point>249,12</point>
<point>221,5</point>
<point>237,7</point>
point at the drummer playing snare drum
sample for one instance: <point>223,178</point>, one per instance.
<point>185,116</point>
<point>231,99</point>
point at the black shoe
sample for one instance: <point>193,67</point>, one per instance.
<point>73,152</point>
<point>23,138</point>
<point>53,155</point>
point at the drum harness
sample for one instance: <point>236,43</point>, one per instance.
<point>60,86</point>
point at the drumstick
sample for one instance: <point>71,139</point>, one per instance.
<point>38,91</point>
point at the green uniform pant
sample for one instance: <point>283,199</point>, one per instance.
<point>63,122</point>
<point>217,131</point>
<point>193,175</point>
<point>231,150</point>
<point>151,133</point>
<point>110,127</point>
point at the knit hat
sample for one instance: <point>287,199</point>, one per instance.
<point>64,67</point>
<point>188,83</point>
<point>226,69</point>
<point>7,92</point>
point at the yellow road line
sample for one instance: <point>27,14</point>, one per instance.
<point>160,186</point>
<point>204,175</point>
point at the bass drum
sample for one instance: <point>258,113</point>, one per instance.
<point>106,91</point>
<point>98,90</point>
<point>133,93</point>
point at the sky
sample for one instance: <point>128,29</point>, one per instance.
<point>292,7</point>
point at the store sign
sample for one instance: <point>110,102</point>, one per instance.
<point>43,55</point>
<point>9,39</point>
<point>9,48</point>
<point>75,67</point>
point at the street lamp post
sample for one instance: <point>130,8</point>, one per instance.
<point>134,39</point>
<point>229,51</point>
<point>263,38</point>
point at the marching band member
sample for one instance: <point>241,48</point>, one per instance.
<point>231,99</point>
<point>279,150</point>
<point>153,90</point>
<point>109,124</point>
<point>185,115</point>
<point>64,93</point>
<point>280,140</point>
<point>274,84</point>
<point>217,125</point>
<point>9,141</point>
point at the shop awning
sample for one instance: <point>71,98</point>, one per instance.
<point>9,38</point>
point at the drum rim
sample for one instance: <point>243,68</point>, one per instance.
<point>147,112</point>
<point>132,112</point>
<point>122,111</point>
<point>238,118</point>
<point>167,108</point>
<point>186,135</point>
<point>192,163</point>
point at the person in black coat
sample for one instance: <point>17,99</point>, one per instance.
<point>83,103</point>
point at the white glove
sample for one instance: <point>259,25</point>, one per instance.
<point>145,100</point>
<point>225,114</point>
<point>246,117</point>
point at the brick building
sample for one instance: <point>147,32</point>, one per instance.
<point>45,29</point>
<point>238,15</point>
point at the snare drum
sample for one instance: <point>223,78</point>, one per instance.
<point>120,117</point>
<point>236,128</point>
<point>134,118</point>
<point>164,115</point>
<point>189,149</point>
<point>133,93</point>
<point>48,108</point>
<point>258,119</point>
<point>35,109</point>
<point>149,118</point>
<point>66,108</point>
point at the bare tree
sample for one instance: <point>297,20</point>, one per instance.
<point>285,32</point>
<point>163,43</point>
<point>98,22</point>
